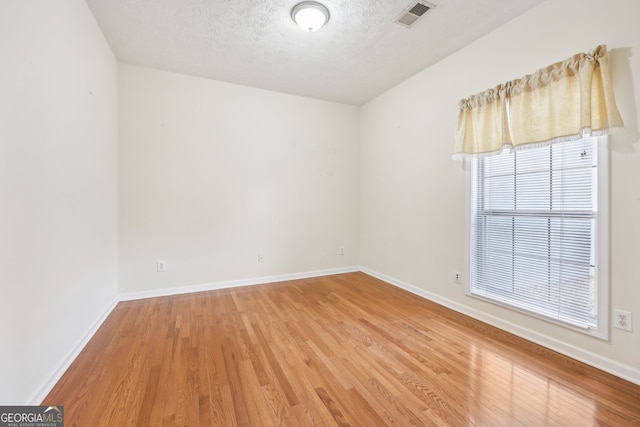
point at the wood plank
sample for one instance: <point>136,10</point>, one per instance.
<point>343,350</point>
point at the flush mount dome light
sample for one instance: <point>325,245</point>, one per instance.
<point>310,15</point>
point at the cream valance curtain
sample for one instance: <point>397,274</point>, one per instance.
<point>563,101</point>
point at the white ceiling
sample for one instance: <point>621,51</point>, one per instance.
<point>358,55</point>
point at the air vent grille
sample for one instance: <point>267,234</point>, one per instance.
<point>410,15</point>
<point>419,9</point>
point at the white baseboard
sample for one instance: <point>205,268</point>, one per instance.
<point>618,369</point>
<point>233,283</point>
<point>47,386</point>
<point>615,368</point>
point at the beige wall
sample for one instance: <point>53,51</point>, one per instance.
<point>213,174</point>
<point>58,230</point>
<point>413,195</point>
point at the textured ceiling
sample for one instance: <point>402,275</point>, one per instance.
<point>358,55</point>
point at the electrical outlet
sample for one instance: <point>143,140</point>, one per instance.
<point>622,320</point>
<point>457,277</point>
<point>341,250</point>
<point>260,258</point>
<point>161,266</point>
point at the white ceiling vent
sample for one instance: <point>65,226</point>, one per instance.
<point>415,11</point>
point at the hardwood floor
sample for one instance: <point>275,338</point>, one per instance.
<point>344,350</point>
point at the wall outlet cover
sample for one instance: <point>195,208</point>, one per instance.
<point>161,266</point>
<point>622,320</point>
<point>457,277</point>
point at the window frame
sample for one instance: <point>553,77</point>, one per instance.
<point>601,331</point>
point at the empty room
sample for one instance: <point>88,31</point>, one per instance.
<point>329,213</point>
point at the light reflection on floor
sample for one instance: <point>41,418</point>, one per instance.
<point>501,391</point>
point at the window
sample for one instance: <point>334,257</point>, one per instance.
<point>538,234</point>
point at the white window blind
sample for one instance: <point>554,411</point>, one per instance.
<point>534,230</point>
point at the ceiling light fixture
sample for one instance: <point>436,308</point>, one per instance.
<point>310,15</point>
